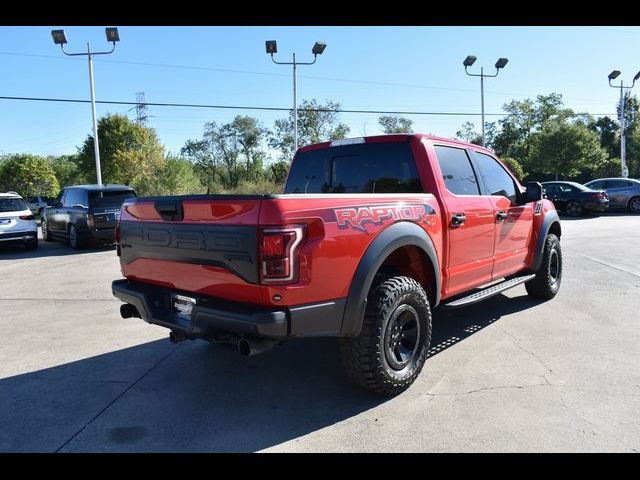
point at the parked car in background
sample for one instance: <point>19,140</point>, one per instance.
<point>17,223</point>
<point>37,204</point>
<point>85,214</point>
<point>574,199</point>
<point>623,193</point>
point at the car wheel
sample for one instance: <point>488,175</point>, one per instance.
<point>634,204</point>
<point>46,234</point>
<point>573,209</point>
<point>391,349</point>
<point>547,281</point>
<point>73,238</point>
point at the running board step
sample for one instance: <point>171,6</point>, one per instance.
<point>489,292</point>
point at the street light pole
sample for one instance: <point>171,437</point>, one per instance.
<point>59,38</point>
<point>623,142</point>
<point>272,48</point>
<point>470,60</point>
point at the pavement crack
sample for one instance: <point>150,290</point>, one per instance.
<point>484,389</point>
<point>533,354</point>
<point>118,397</point>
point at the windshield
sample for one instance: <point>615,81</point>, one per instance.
<point>12,205</point>
<point>112,198</point>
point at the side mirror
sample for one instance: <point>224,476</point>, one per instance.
<point>534,192</point>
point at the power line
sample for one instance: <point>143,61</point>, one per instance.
<point>279,109</point>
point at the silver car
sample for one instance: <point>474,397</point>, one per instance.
<point>623,192</point>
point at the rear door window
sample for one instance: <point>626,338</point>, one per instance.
<point>358,168</point>
<point>458,175</point>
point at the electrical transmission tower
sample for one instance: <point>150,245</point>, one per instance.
<point>141,109</point>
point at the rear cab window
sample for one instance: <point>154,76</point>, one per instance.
<point>355,168</point>
<point>110,198</point>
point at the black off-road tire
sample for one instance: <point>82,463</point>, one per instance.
<point>373,359</point>
<point>547,281</point>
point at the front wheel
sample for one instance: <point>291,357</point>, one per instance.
<point>574,209</point>
<point>74,241</point>
<point>391,349</point>
<point>546,283</point>
<point>46,234</point>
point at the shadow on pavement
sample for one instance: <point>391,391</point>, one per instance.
<point>200,397</point>
<point>47,249</point>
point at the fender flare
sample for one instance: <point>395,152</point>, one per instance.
<point>398,235</point>
<point>550,218</point>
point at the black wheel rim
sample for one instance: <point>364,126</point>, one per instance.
<point>402,337</point>
<point>574,209</point>
<point>554,266</point>
<point>635,205</point>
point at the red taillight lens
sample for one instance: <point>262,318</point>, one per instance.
<point>117,238</point>
<point>27,217</point>
<point>279,253</point>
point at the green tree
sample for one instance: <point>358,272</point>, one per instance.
<point>228,153</point>
<point>129,152</point>
<point>67,170</point>
<point>394,124</point>
<point>177,176</point>
<point>567,150</point>
<point>631,112</point>
<point>608,132</point>
<point>316,123</point>
<point>278,172</point>
<point>28,175</point>
<point>515,167</point>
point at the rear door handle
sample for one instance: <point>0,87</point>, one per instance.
<point>501,216</point>
<point>458,219</point>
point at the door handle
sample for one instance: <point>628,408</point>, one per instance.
<point>501,216</point>
<point>458,219</point>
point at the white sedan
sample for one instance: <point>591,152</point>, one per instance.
<point>17,223</point>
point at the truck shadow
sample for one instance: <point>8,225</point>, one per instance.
<point>47,249</point>
<point>200,397</point>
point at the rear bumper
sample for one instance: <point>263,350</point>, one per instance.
<point>27,236</point>
<point>596,206</point>
<point>211,316</point>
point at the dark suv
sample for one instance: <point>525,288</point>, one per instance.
<point>85,214</point>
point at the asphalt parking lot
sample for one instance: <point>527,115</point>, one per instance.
<point>508,374</point>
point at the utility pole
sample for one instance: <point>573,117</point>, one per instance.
<point>623,143</point>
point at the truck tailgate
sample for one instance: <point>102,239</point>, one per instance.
<point>204,244</point>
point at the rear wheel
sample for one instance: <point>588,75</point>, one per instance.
<point>391,349</point>
<point>46,234</point>
<point>546,283</point>
<point>634,204</point>
<point>574,209</point>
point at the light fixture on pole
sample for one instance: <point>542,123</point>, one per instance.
<point>623,143</point>
<point>469,61</point>
<point>272,48</point>
<point>59,38</point>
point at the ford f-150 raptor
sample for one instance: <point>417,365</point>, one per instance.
<point>370,235</point>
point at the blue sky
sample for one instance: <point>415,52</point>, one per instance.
<point>382,68</point>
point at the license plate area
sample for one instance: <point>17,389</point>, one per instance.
<point>182,306</point>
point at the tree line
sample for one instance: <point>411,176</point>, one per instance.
<point>539,140</point>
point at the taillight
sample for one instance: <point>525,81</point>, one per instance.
<point>117,238</point>
<point>279,253</point>
<point>27,217</point>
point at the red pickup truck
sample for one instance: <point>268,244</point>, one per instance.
<point>370,235</point>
